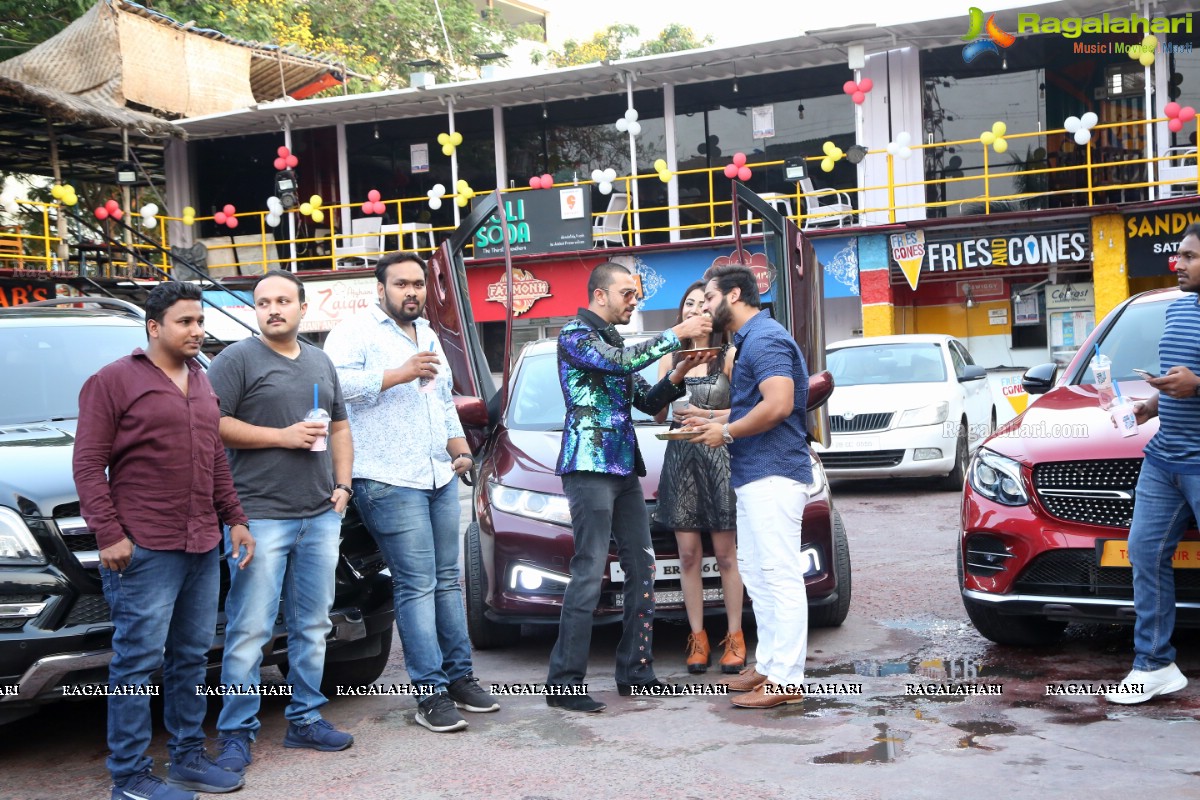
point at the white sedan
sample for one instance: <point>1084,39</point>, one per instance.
<point>907,406</point>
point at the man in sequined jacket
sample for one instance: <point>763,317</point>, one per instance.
<point>600,465</point>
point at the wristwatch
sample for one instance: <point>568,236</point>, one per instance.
<point>726,436</point>
<point>349,492</point>
<point>463,455</point>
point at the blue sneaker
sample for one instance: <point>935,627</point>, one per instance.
<point>145,786</point>
<point>196,772</point>
<point>320,735</point>
<point>234,752</point>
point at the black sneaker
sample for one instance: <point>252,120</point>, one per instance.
<point>439,714</point>
<point>583,703</point>
<point>319,735</point>
<point>468,695</point>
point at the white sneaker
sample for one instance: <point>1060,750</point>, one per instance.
<point>1139,686</point>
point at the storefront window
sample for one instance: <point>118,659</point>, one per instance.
<point>1183,83</point>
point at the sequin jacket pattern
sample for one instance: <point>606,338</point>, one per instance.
<point>600,383</point>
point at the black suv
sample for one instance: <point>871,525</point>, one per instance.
<point>54,621</point>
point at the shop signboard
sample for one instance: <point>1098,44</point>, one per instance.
<point>331,301</point>
<point>839,258</point>
<point>1151,239</point>
<point>18,291</point>
<point>539,221</point>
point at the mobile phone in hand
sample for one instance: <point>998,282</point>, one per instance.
<point>1145,375</point>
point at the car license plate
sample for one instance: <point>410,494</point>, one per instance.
<point>855,443</point>
<point>666,569</point>
<point>1115,553</point>
<point>675,597</point>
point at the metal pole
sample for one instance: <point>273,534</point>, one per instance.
<point>287,142</point>
<point>633,168</point>
<point>60,216</point>
<point>1149,91</point>
<point>453,161</point>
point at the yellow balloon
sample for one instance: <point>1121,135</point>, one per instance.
<point>315,200</point>
<point>462,200</point>
<point>456,138</point>
<point>1146,59</point>
<point>188,211</point>
<point>665,175</point>
<point>447,149</point>
<point>1150,41</point>
<point>70,199</point>
<point>828,149</point>
<point>999,129</point>
<point>837,153</point>
<point>1001,145</point>
<point>987,137</point>
<point>443,138</point>
<point>827,164</point>
<point>318,215</point>
<point>56,192</point>
<point>306,208</point>
<point>462,184</point>
<point>660,165</point>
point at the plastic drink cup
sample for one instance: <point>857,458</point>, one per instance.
<point>1102,375</point>
<point>1126,418</point>
<point>319,415</point>
<point>427,385</point>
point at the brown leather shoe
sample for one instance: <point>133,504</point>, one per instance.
<point>747,680</point>
<point>734,660</point>
<point>698,654</point>
<point>768,695</point>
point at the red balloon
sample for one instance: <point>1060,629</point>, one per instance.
<point>1176,125</point>
<point>731,171</point>
<point>866,85</point>
<point>373,195</point>
<point>231,222</point>
<point>858,98</point>
<point>535,182</point>
<point>1171,109</point>
<point>219,217</point>
<point>292,161</point>
<point>849,87</point>
<point>366,208</point>
<point>116,214</point>
<point>229,209</point>
<point>744,174</point>
<point>101,212</point>
<point>282,152</point>
<point>1187,114</point>
<point>547,180</point>
<point>739,159</point>
<point>280,163</point>
<point>379,207</point>
<point>111,206</point>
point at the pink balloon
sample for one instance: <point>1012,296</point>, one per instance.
<point>101,212</point>
<point>547,181</point>
<point>231,222</point>
<point>282,152</point>
<point>291,160</point>
<point>111,206</point>
<point>229,209</point>
<point>739,159</point>
<point>744,174</point>
<point>280,164</point>
<point>731,171</point>
<point>1176,125</point>
<point>858,98</point>
<point>219,217</point>
<point>380,207</point>
<point>849,87</point>
<point>1171,109</point>
<point>366,207</point>
<point>373,195</point>
<point>116,214</point>
<point>535,182</point>
<point>866,85</point>
<point>1187,114</point>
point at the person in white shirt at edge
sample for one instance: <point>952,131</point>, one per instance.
<point>409,450</point>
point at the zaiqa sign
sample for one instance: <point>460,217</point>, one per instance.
<point>1152,239</point>
<point>527,290</point>
<point>330,302</point>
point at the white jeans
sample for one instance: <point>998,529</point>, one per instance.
<point>770,512</point>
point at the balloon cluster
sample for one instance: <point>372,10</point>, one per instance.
<point>189,215</point>
<point>995,137</point>
<point>64,193</point>
<point>274,211</point>
<point>1177,115</point>
<point>226,216</point>
<point>464,193</point>
<point>629,123</point>
<point>435,196</point>
<point>374,204</point>
<point>545,181</point>
<point>603,179</point>
<point>664,174</point>
<point>284,159</point>
<point>1081,127</point>
<point>737,168</point>
<point>901,148</point>
<point>313,208</point>
<point>449,141</point>
<point>110,209</point>
<point>858,91</point>
<point>149,213</point>
<point>1144,54</point>
<point>832,153</point>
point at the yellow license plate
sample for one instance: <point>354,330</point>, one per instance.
<point>1116,554</point>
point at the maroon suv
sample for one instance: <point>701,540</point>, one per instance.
<point>1049,497</point>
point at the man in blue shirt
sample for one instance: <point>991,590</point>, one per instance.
<point>1168,489</point>
<point>770,467</point>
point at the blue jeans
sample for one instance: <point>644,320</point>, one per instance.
<point>297,557</point>
<point>163,601</point>
<point>417,531</point>
<point>604,507</point>
<point>1160,516</point>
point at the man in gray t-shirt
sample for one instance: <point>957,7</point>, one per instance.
<point>292,474</point>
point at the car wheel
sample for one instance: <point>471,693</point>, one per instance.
<point>1008,629</point>
<point>954,481</point>
<point>485,634</point>
<point>357,671</point>
<point>831,616</point>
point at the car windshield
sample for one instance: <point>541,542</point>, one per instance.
<point>886,363</point>
<point>44,367</point>
<point>537,401</point>
<point>1132,341</point>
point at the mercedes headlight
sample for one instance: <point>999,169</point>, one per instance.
<point>17,545</point>
<point>997,478</point>
<point>550,508</point>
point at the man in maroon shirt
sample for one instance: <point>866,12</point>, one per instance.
<point>151,420</point>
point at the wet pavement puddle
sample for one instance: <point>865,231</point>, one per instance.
<point>888,745</point>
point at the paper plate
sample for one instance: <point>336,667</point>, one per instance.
<point>679,434</point>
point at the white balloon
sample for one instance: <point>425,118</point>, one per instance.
<point>631,114</point>
<point>1072,124</point>
<point>438,190</point>
<point>435,203</point>
<point>1089,119</point>
<point>1083,136</point>
<point>597,175</point>
<point>893,148</point>
<point>610,175</point>
<point>905,152</point>
<point>622,124</point>
<point>149,222</point>
<point>605,187</point>
<point>635,128</point>
<point>904,139</point>
<point>273,220</point>
<point>149,210</point>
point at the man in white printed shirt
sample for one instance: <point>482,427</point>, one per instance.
<point>409,451</point>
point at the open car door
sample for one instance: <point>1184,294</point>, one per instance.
<point>798,292</point>
<point>448,309</point>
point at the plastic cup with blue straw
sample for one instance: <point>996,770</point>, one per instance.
<point>318,414</point>
<point>1102,377</point>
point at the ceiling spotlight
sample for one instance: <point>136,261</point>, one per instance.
<point>545,113</point>
<point>375,133</point>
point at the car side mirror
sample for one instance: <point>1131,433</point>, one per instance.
<point>1040,379</point>
<point>472,411</point>
<point>972,372</point>
<point>820,386</point>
